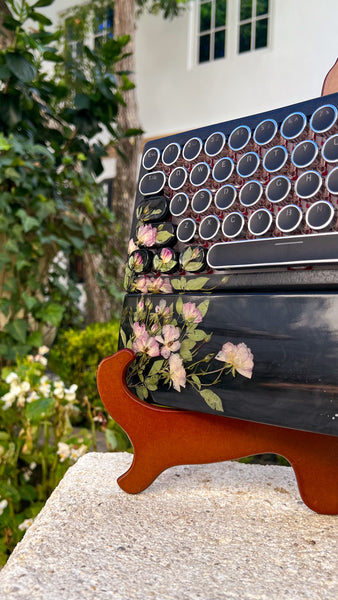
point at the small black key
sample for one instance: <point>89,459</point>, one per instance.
<point>179,204</point>
<point>330,149</point>
<point>250,193</point>
<point>192,259</point>
<point>260,221</point>
<point>293,125</point>
<point>233,224</point>
<point>165,261</point>
<point>248,164</point>
<point>209,227</point>
<point>177,178</point>
<point>320,215</point>
<point>151,158</point>
<point>225,197</point>
<point>186,230</point>
<point>308,184</point>
<point>289,218</point>
<point>275,159</point>
<point>332,181</point>
<point>278,188</point>
<point>223,169</point>
<point>171,153</point>
<point>152,183</point>
<point>239,137</point>
<point>215,143</point>
<point>265,132</point>
<point>199,173</point>
<point>323,118</point>
<point>304,154</point>
<point>154,210</point>
<point>192,148</point>
<point>201,201</point>
<point>140,261</point>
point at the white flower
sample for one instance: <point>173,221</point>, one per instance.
<point>11,377</point>
<point>43,350</point>
<point>3,505</point>
<point>70,394</point>
<point>32,396</point>
<point>25,386</point>
<point>8,399</point>
<point>63,451</point>
<point>25,524</point>
<point>44,386</point>
<point>75,453</point>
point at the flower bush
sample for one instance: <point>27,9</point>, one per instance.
<point>37,442</point>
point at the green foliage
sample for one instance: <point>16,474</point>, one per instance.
<point>168,8</point>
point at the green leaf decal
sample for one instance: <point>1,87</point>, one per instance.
<point>203,307</point>
<point>196,284</point>
<point>212,400</point>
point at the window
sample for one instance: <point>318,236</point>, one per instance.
<point>103,27</point>
<point>253,25</point>
<point>91,29</point>
<point>212,26</point>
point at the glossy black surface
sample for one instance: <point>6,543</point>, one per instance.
<point>294,340</point>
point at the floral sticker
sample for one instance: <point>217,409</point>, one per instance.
<point>169,344</point>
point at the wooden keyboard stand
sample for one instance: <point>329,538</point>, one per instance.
<point>165,437</point>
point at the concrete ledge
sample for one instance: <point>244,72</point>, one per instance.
<point>221,531</point>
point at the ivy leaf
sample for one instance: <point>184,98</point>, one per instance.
<point>20,67</point>
<point>28,222</point>
<point>35,339</point>
<point>51,313</point>
<point>212,400</point>
<point>18,330</point>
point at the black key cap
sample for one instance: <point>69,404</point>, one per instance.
<point>140,261</point>
<point>323,118</point>
<point>151,158</point>
<point>233,224</point>
<point>278,188</point>
<point>154,210</point>
<point>179,204</point>
<point>331,181</point>
<point>225,197</point>
<point>308,184</point>
<point>260,221</point>
<point>171,153</point>
<point>275,159</point>
<point>199,173</point>
<point>289,218</point>
<point>201,201</point>
<point>304,154</point>
<point>293,125</point>
<point>320,215</point>
<point>209,227</point>
<point>290,250</point>
<point>152,183</point>
<point>223,169</point>
<point>330,149</point>
<point>250,193</point>
<point>186,230</point>
<point>192,259</point>
<point>177,178</point>
<point>215,143</point>
<point>192,148</point>
<point>239,137</point>
<point>265,132</point>
<point>165,261</point>
<point>248,164</point>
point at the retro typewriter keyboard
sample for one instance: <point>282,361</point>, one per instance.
<point>254,192</point>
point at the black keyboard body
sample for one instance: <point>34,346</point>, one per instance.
<point>238,223</point>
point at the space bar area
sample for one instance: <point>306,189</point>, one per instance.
<point>289,250</point>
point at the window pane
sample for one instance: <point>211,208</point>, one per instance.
<point>110,18</point>
<point>219,49</point>
<point>262,7</point>
<point>261,33</point>
<point>245,37</point>
<point>204,49</point>
<point>246,9</point>
<point>220,14</point>
<point>205,16</point>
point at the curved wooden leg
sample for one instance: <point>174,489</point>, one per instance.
<point>164,437</point>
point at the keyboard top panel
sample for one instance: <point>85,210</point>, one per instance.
<point>252,195</point>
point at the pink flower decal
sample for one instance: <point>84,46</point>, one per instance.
<point>162,308</point>
<point>139,330</point>
<point>159,285</point>
<point>177,372</point>
<point>146,345</point>
<point>239,358</point>
<point>169,339</point>
<point>191,313</point>
<point>146,235</point>
<point>131,246</point>
<point>166,255</point>
<point>141,285</point>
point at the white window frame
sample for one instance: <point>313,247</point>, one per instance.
<point>213,29</point>
<point>252,21</point>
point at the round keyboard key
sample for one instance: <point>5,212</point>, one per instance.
<point>192,259</point>
<point>201,201</point>
<point>233,224</point>
<point>152,183</point>
<point>192,148</point>
<point>214,143</point>
<point>225,197</point>
<point>323,118</point>
<point>171,153</point>
<point>239,137</point>
<point>320,215</point>
<point>199,173</point>
<point>260,221</point>
<point>304,154</point>
<point>275,159</point>
<point>186,230</point>
<point>278,188</point>
<point>265,132</point>
<point>151,158</point>
<point>330,149</point>
<point>293,125</point>
<point>153,210</point>
<point>177,178</point>
<point>308,184</point>
<point>140,261</point>
<point>289,218</point>
<point>165,261</point>
<point>179,204</point>
<point>222,170</point>
<point>250,193</point>
<point>209,227</point>
<point>248,164</point>
<point>331,181</point>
